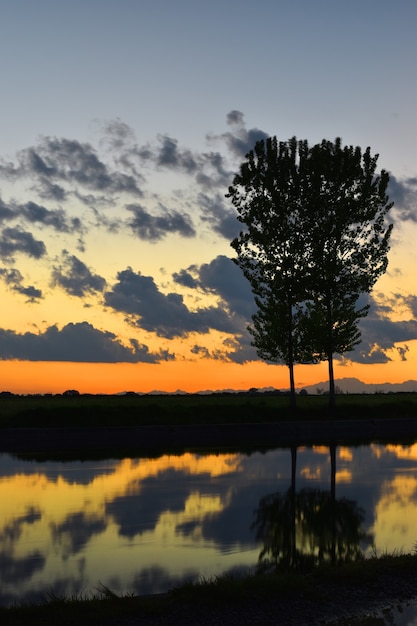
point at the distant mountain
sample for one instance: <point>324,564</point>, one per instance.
<point>343,385</point>
<point>354,385</point>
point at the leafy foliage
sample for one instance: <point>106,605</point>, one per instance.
<point>315,239</point>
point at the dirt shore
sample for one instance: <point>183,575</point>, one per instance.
<point>157,438</point>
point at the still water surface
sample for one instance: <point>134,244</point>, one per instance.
<point>144,525</point>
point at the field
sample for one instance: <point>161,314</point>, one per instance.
<point>134,410</point>
<point>131,425</point>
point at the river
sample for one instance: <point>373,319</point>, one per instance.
<point>144,525</point>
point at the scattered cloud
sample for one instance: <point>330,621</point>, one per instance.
<point>15,240</point>
<point>79,342</point>
<point>240,140</point>
<point>14,279</point>
<point>73,189</point>
<point>75,277</point>
<point>217,215</point>
<point>154,227</point>
<point>164,314</point>
<point>35,213</point>
<point>224,278</point>
<point>54,162</point>
<point>380,334</point>
<point>403,192</point>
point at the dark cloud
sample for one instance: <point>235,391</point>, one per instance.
<point>404,195</point>
<point>224,278</point>
<point>74,342</point>
<point>164,314</point>
<point>169,155</point>
<point>13,278</point>
<point>186,278</point>
<point>379,334</point>
<point>154,227</point>
<point>54,162</point>
<point>31,292</point>
<point>76,278</point>
<point>57,219</point>
<point>34,213</point>
<point>6,213</point>
<point>118,135</point>
<point>213,171</point>
<point>208,169</point>
<point>15,240</point>
<point>62,169</point>
<point>240,140</point>
<point>222,219</point>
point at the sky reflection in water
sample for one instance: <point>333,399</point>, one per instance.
<point>144,525</point>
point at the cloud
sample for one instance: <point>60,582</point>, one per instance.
<point>17,240</point>
<point>13,278</point>
<point>154,227</point>
<point>208,169</point>
<point>170,156</point>
<point>380,334</point>
<point>240,140</point>
<point>79,342</point>
<point>404,195</point>
<point>221,219</point>
<point>6,213</point>
<point>35,213</point>
<point>76,278</point>
<point>164,314</point>
<point>54,162</point>
<point>224,278</point>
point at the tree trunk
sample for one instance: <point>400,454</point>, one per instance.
<point>293,401</point>
<point>291,357</point>
<point>331,382</point>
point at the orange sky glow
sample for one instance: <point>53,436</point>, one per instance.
<point>55,377</point>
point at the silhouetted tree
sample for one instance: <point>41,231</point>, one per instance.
<point>348,242</point>
<point>271,253</point>
<point>315,239</point>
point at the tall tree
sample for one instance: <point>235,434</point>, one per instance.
<point>315,239</point>
<point>266,194</point>
<point>349,242</point>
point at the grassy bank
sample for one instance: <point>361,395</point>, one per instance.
<point>132,411</point>
<point>355,588</point>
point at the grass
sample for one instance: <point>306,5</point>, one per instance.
<point>225,592</point>
<point>107,411</point>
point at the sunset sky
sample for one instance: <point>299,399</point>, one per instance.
<point>122,125</point>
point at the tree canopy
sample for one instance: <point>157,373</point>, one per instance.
<point>315,239</point>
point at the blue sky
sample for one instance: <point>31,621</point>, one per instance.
<point>312,69</point>
<point>155,103</point>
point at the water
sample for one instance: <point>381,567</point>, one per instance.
<point>145,525</point>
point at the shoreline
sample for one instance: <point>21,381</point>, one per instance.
<point>176,437</point>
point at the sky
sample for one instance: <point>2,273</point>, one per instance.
<point>122,126</point>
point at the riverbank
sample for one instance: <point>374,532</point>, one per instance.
<point>334,596</point>
<point>159,438</point>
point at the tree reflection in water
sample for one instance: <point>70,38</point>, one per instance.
<point>302,529</point>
